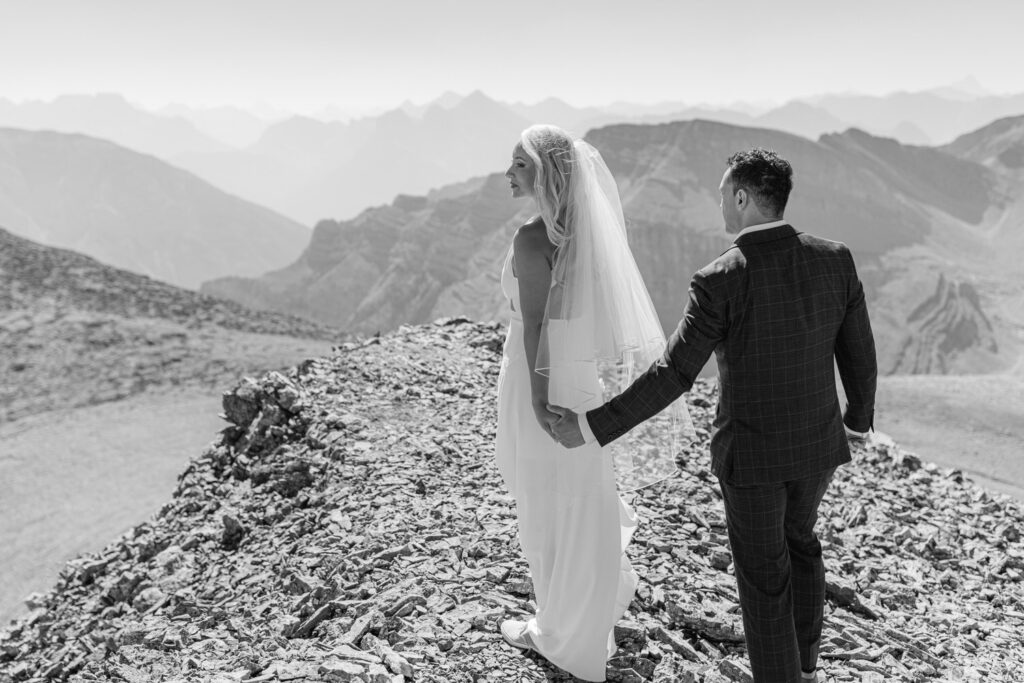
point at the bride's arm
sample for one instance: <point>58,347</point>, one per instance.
<point>533,255</point>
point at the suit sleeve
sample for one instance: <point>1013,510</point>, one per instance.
<point>855,357</point>
<point>703,325</point>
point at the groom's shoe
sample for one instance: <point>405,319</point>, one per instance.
<point>514,633</point>
<point>811,677</point>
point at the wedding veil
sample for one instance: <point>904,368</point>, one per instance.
<point>600,329</point>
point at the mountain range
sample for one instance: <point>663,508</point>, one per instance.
<point>134,211</point>
<point>920,117</point>
<point>337,163</point>
<point>229,125</point>
<point>111,117</point>
<point>312,169</point>
<point>924,224</point>
<point>927,223</point>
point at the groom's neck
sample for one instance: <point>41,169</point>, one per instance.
<point>755,218</point>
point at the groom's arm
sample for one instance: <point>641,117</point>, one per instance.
<point>855,357</point>
<point>703,325</point>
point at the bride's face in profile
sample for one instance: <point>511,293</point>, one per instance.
<point>521,173</point>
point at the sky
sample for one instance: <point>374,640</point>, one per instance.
<point>303,55</point>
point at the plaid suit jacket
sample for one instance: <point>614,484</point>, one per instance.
<point>776,308</point>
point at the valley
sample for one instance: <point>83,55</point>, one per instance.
<point>968,422</point>
<point>71,480</point>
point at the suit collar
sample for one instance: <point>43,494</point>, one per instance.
<point>766,235</point>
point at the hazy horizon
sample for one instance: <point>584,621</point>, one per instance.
<point>270,110</point>
<point>307,56</point>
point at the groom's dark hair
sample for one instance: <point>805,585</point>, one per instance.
<point>767,178</point>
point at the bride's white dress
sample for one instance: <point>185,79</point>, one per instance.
<point>573,526</point>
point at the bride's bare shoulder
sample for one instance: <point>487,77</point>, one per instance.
<point>531,239</point>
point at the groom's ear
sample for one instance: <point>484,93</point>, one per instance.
<point>741,198</point>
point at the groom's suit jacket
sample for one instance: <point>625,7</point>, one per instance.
<point>776,308</point>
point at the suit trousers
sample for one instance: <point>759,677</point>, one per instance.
<point>779,573</point>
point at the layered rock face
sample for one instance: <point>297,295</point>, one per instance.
<point>76,332</point>
<point>947,324</point>
<point>350,525</point>
<point>441,254</point>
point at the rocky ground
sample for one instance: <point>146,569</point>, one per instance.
<point>350,526</point>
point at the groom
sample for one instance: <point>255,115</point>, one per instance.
<point>776,308</point>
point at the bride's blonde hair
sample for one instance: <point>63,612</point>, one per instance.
<point>554,156</point>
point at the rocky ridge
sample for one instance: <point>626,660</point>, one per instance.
<point>1001,143</point>
<point>349,525</point>
<point>76,332</point>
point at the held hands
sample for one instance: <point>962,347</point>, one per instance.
<point>561,424</point>
<point>545,417</point>
<point>566,430</point>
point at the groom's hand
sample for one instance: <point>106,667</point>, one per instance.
<point>856,437</point>
<point>567,429</point>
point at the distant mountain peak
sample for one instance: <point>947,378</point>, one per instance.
<point>395,116</point>
<point>477,97</point>
<point>966,88</point>
<point>553,101</point>
<point>448,99</point>
<point>477,105</point>
<point>107,98</point>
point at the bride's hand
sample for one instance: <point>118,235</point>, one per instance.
<point>545,417</point>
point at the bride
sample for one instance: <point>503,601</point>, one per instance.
<point>582,328</point>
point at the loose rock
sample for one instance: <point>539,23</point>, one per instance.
<point>388,551</point>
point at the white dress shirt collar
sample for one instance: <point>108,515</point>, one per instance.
<point>760,226</point>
